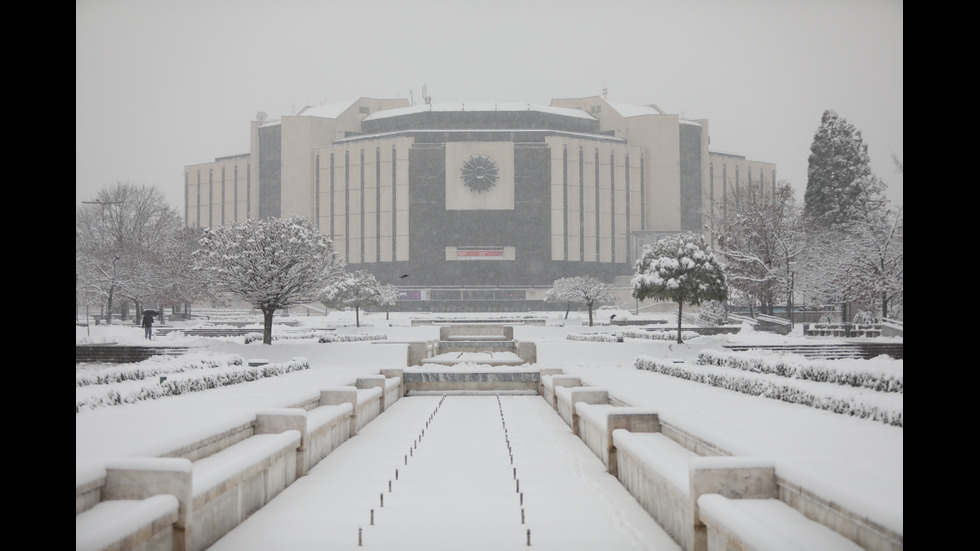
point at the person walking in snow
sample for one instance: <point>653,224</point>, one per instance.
<point>148,324</point>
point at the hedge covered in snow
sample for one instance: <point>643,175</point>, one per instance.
<point>659,335</point>
<point>801,368</point>
<point>317,335</point>
<point>632,334</point>
<point>234,374</point>
<point>885,407</point>
<point>591,337</point>
<point>146,369</point>
<point>331,337</point>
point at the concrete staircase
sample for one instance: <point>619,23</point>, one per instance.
<point>857,350</point>
<point>113,353</point>
<point>457,343</point>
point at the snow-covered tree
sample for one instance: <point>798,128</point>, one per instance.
<point>178,282</point>
<point>356,290</point>
<point>840,184</point>
<point>270,263</point>
<point>387,297</point>
<point>679,268</point>
<point>759,238</point>
<point>120,240</point>
<point>866,263</point>
<point>586,290</point>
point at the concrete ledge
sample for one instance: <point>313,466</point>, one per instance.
<point>667,479</point>
<point>568,397</point>
<point>321,429</point>
<point>764,525</point>
<point>234,483</point>
<point>471,381</point>
<point>597,423</point>
<point>369,404</point>
<point>655,470</point>
<point>128,524</point>
<point>333,396</point>
<point>419,351</point>
<point>550,382</point>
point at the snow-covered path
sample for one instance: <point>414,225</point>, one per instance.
<point>454,485</point>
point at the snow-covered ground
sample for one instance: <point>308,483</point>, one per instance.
<point>857,463</point>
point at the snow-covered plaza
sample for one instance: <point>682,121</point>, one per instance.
<point>458,488</point>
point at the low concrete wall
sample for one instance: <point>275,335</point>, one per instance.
<point>478,381</point>
<point>764,524</point>
<point>550,382</point>
<point>322,429</point>
<point>568,397</point>
<point>128,524</point>
<point>369,404</point>
<point>476,331</point>
<point>199,492</point>
<point>597,423</point>
<point>231,485</point>
<point>687,466</point>
<point>419,351</point>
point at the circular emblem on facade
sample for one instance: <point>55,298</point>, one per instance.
<point>479,173</point>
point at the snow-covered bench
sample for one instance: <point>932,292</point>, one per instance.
<point>391,387</point>
<point>596,423</point>
<point>322,429</point>
<point>366,403</point>
<point>567,397</point>
<point>230,485</point>
<point>667,479</point>
<point>142,505</point>
<point>549,382</point>
<point>137,524</point>
<point>764,525</point>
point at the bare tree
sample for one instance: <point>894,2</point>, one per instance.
<point>760,237</point>
<point>586,290</point>
<point>355,290</point>
<point>119,236</point>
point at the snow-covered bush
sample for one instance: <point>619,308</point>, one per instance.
<point>878,406</point>
<point>175,387</point>
<point>801,368</point>
<point>332,337</point>
<point>152,368</point>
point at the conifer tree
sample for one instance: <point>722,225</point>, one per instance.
<point>840,185</point>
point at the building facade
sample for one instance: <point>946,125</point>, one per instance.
<point>481,206</point>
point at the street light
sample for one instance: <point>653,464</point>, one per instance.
<point>792,283</point>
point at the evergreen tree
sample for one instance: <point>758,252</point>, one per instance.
<point>679,268</point>
<point>840,184</point>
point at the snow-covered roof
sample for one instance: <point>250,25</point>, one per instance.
<point>629,110</point>
<point>478,106</point>
<point>326,111</point>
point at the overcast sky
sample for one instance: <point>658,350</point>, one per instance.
<point>160,84</point>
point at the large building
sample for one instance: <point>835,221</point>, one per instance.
<point>482,206</point>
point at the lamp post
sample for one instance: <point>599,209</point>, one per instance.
<point>792,283</point>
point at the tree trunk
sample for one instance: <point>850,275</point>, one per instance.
<point>590,315</point>
<point>357,315</point>
<point>680,307</point>
<point>568,306</point>
<point>884,306</point>
<point>108,310</point>
<point>267,325</point>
